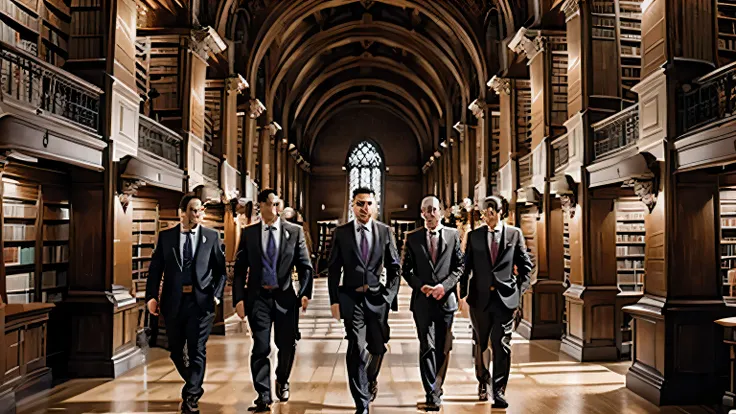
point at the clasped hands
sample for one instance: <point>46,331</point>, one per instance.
<point>437,292</point>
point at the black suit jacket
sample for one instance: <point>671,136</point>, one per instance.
<point>512,251</point>
<point>249,265</point>
<point>209,270</point>
<point>418,269</point>
<point>345,261</point>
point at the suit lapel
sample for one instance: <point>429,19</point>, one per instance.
<point>175,247</point>
<point>200,243</point>
<point>377,243</point>
<point>425,246</point>
<point>285,236</point>
<point>354,238</point>
<point>442,246</point>
<point>502,245</point>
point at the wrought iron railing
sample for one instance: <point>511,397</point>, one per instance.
<point>560,153</point>
<point>525,170</point>
<point>712,98</point>
<point>159,140</point>
<point>616,132</point>
<point>46,88</point>
<point>210,166</point>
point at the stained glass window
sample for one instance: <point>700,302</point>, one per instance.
<point>365,167</point>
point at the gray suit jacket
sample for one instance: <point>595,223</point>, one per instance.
<point>500,274</point>
<point>418,269</point>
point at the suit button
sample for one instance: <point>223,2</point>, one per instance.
<point>493,288</point>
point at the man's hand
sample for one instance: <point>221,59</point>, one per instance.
<point>438,292</point>
<point>463,305</point>
<point>305,303</point>
<point>427,290</point>
<point>335,308</point>
<point>153,307</point>
<point>240,309</point>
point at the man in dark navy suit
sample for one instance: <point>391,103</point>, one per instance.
<point>263,290</point>
<point>191,261</point>
<point>363,283</point>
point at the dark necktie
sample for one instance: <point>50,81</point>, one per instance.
<point>433,246</point>
<point>364,244</point>
<point>188,253</point>
<point>494,247</point>
<point>269,271</point>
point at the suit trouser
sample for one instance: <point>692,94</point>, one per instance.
<point>263,314</point>
<point>434,329</point>
<point>365,317</point>
<point>192,326</point>
<point>494,321</point>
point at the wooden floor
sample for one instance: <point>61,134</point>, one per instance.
<point>542,380</point>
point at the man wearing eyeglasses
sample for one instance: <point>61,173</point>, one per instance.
<point>493,293</point>
<point>263,290</point>
<point>191,261</point>
<point>363,282</point>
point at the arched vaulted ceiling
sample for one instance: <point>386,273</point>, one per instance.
<point>422,60</point>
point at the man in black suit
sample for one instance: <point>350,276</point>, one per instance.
<point>364,257</point>
<point>493,294</point>
<point>190,258</point>
<point>432,266</point>
<point>263,290</point>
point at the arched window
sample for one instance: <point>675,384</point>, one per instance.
<point>365,169</point>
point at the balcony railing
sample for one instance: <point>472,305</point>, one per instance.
<point>45,87</point>
<point>616,132</point>
<point>712,98</point>
<point>525,170</point>
<point>210,166</point>
<point>159,140</point>
<point>560,154</point>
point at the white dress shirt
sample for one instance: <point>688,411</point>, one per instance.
<point>276,235</point>
<point>495,233</point>
<point>437,232</point>
<point>183,239</point>
<point>368,233</point>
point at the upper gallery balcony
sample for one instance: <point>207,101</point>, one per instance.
<point>47,112</point>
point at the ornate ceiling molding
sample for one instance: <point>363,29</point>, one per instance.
<point>527,42</point>
<point>645,189</point>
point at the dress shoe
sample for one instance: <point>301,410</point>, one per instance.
<point>432,404</point>
<point>282,391</point>
<point>189,405</point>
<point>483,391</point>
<point>260,406</point>
<point>499,401</point>
<point>373,388</point>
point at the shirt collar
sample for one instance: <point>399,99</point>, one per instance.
<point>368,225</point>
<point>499,227</point>
<point>276,224</point>
<point>194,232</point>
<point>436,229</point>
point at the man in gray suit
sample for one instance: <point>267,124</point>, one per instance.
<point>191,261</point>
<point>493,294</point>
<point>432,266</point>
<point>363,282</point>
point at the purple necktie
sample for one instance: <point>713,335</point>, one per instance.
<point>433,246</point>
<point>363,244</point>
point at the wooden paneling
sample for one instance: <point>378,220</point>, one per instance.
<point>646,342</point>
<point>575,319</point>
<point>692,30</point>
<point>556,247</point>
<point>506,136</point>
<point>605,63</point>
<point>87,246</point>
<point>548,307</point>
<point>574,66</point>
<point>125,30</point>
<point>694,241</point>
<point>602,322</point>
<point>655,259</point>
<point>602,242</point>
<point>196,109</point>
<point>123,245</point>
<point>577,275</point>
<point>538,76</point>
<point>653,32</point>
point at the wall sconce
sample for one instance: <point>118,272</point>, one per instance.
<point>406,207</point>
<point>386,169</point>
<point>437,154</point>
<point>459,127</point>
<point>443,144</point>
<point>343,168</point>
<point>323,207</point>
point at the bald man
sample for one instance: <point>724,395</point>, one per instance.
<point>432,266</point>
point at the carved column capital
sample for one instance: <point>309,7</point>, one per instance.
<point>206,40</point>
<point>571,8</point>
<point>129,189</point>
<point>645,189</point>
<point>256,109</point>
<point>568,203</point>
<point>478,107</point>
<point>528,43</point>
<point>273,128</point>
<point>500,85</point>
<point>235,83</point>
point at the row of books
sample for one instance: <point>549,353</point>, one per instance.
<point>19,232</point>
<point>17,255</point>
<point>728,44</point>
<point>728,221</point>
<point>626,278</point>
<point>11,9</point>
<point>56,254</point>
<point>630,50</point>
<point>629,250</point>
<point>19,282</point>
<point>12,37</point>
<point>144,215</point>
<point>53,278</point>
<point>605,33</point>
<point>55,213</point>
<point>145,226</point>
<point>630,226</point>
<point>56,231</point>
<point>19,210</point>
<point>630,264</point>
<point>602,6</point>
<point>85,3</point>
<point>728,263</point>
<point>631,72</point>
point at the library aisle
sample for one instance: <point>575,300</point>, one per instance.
<point>542,379</point>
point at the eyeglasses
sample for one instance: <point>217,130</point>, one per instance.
<point>363,203</point>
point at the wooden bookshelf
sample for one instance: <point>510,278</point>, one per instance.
<point>558,82</point>
<point>628,17</point>
<point>214,218</point>
<point>87,25</point>
<point>566,266</point>
<point>495,152</point>
<point>726,31</point>
<point>21,202</point>
<point>630,245</point>
<point>523,117</point>
<point>145,235</point>
<point>528,216</point>
<point>728,242</point>
<point>39,27</point>
<point>325,232</point>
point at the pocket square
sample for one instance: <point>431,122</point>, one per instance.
<point>287,235</point>
<point>204,239</point>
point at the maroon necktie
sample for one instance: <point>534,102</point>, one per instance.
<point>494,247</point>
<point>363,244</point>
<point>433,246</point>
